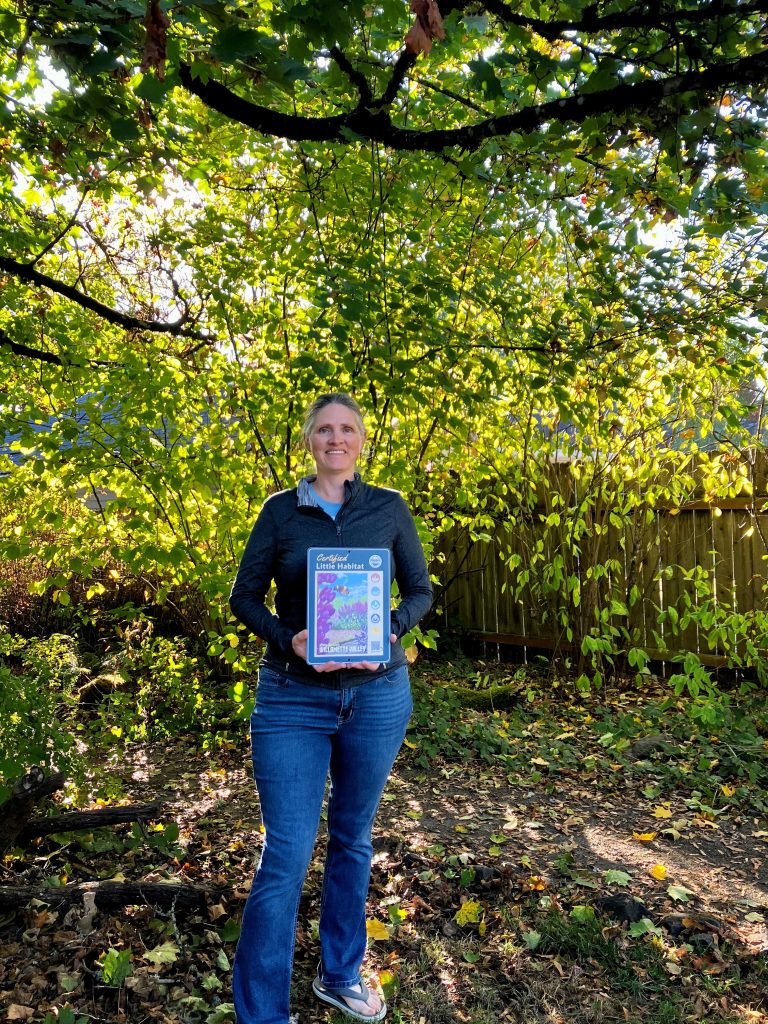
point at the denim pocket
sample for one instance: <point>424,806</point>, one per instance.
<point>395,676</point>
<point>270,677</point>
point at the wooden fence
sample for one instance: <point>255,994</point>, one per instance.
<point>654,556</point>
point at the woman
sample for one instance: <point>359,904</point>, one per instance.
<point>311,721</point>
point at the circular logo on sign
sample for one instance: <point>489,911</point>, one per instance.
<point>374,561</point>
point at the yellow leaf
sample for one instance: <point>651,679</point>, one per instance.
<point>644,837</point>
<point>460,828</point>
<point>540,761</point>
<point>411,746</point>
<point>658,871</point>
<point>376,930</point>
<point>467,913</point>
<point>662,812</point>
<point>728,790</point>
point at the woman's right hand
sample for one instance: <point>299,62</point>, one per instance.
<point>299,645</point>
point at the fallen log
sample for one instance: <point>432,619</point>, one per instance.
<point>17,809</point>
<point>77,821</point>
<point>492,698</point>
<point>111,896</point>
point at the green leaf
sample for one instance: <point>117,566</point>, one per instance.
<point>166,953</point>
<point>152,89</point>
<point>680,893</point>
<point>484,79</point>
<point>116,967</point>
<point>235,43</point>
<point>615,877</point>
<point>643,927</point>
<point>583,914</point>
<point>124,130</point>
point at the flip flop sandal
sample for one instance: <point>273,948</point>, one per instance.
<point>334,998</point>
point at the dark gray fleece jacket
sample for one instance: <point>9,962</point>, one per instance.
<point>288,525</point>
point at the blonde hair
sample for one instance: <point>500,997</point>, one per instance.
<point>333,398</point>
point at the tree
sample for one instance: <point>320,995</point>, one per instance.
<point>663,105</point>
<point>551,217</point>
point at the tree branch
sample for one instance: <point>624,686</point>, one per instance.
<point>357,78</point>
<point>31,353</point>
<point>26,272</point>
<point>403,65</point>
<point>643,16</point>
<point>377,125</point>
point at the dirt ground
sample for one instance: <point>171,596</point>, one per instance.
<point>459,807</point>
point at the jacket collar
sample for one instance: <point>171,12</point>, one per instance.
<point>306,496</point>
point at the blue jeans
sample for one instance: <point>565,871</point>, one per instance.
<point>299,734</point>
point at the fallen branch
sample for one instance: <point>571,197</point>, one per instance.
<point>110,896</point>
<point>77,821</point>
<point>492,697</point>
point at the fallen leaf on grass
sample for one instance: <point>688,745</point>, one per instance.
<point>376,930</point>
<point>389,983</point>
<point>615,877</point>
<point>468,913</point>
<point>680,892</point>
<point>17,1012</point>
<point>534,884</point>
<point>166,953</point>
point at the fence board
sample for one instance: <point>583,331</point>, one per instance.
<point>732,559</point>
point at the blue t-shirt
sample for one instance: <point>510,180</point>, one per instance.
<point>331,507</point>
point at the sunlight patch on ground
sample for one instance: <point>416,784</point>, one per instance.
<point>691,871</point>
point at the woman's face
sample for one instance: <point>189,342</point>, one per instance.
<point>336,441</point>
